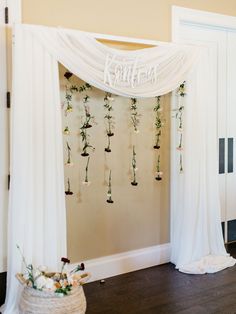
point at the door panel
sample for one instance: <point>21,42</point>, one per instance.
<point>231,128</point>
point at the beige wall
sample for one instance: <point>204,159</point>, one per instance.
<point>136,219</point>
<point>139,216</point>
<point>137,18</point>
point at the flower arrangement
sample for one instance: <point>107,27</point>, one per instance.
<point>60,283</point>
<point>66,131</point>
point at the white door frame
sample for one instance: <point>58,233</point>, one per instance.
<point>3,140</point>
<point>189,17</point>
<point>14,16</point>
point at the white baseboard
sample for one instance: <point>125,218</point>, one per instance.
<point>112,265</point>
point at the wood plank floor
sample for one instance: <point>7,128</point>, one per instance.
<point>164,290</point>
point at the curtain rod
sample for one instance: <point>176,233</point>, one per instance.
<point>123,39</point>
<point>128,39</point>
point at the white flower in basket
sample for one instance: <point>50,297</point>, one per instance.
<point>49,293</point>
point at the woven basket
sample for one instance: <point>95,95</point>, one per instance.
<point>39,302</point>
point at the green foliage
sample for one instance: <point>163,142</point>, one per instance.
<point>64,290</point>
<point>134,114</point>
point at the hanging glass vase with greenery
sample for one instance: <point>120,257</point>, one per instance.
<point>70,90</point>
<point>68,191</point>
<point>135,116</point>
<point>109,120</point>
<point>158,122</point>
<point>134,168</point>
<point>69,161</point>
<point>181,93</point>
<point>85,141</point>
<point>86,181</point>
<point>159,173</point>
<point>109,195</point>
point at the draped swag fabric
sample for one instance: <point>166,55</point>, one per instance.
<point>37,214</point>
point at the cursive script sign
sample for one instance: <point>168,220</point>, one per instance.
<point>130,73</point>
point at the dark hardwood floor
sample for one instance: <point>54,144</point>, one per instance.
<point>161,290</point>
<point>164,290</point>
<point>3,278</point>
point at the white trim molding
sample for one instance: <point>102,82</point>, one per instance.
<point>182,16</point>
<point>117,264</point>
<point>15,11</point>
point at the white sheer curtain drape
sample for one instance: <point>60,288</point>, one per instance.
<point>197,245</point>
<point>37,219</point>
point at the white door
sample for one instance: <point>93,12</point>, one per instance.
<point>230,109</point>
<point>222,45</point>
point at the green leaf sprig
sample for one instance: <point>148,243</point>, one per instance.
<point>158,122</point>
<point>135,116</point>
<point>134,167</point>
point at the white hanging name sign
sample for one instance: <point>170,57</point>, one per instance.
<point>129,72</point>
